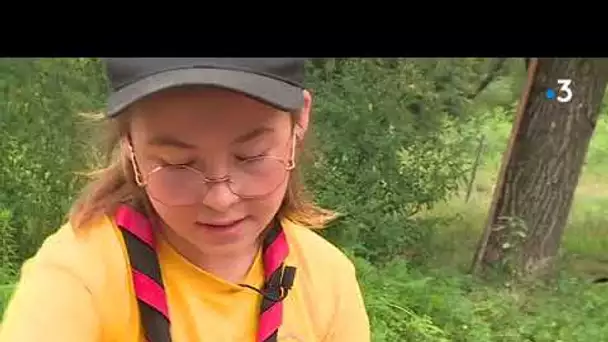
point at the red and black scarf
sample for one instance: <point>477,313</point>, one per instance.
<point>148,283</point>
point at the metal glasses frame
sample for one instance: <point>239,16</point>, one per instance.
<point>142,181</point>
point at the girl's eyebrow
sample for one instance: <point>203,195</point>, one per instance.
<point>253,134</point>
<point>161,140</point>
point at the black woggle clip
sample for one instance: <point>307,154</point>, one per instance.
<point>287,279</point>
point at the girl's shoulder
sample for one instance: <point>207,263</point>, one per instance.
<point>316,254</point>
<point>93,253</point>
<point>75,267</point>
<point>326,281</point>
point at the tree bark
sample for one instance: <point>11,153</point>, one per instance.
<point>533,200</point>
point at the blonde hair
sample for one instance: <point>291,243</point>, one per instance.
<point>114,183</point>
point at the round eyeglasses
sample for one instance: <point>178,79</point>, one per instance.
<point>182,185</point>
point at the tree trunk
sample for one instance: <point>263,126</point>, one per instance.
<point>533,201</point>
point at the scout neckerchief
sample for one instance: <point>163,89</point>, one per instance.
<point>148,283</point>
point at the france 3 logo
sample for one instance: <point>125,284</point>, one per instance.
<point>564,92</point>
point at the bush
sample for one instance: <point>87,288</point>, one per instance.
<point>41,147</point>
<point>414,304</point>
<point>388,145</point>
<point>5,292</point>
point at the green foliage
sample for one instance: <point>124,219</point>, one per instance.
<point>9,249</point>
<point>5,293</point>
<point>393,138</point>
<point>40,145</point>
<point>413,304</point>
<point>598,149</point>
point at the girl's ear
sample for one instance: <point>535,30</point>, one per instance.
<point>303,117</point>
<point>125,147</point>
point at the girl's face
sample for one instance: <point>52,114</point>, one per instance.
<point>219,134</point>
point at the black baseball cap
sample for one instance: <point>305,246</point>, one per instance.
<point>275,81</point>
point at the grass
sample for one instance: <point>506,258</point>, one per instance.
<point>5,292</point>
<point>440,294</point>
<point>585,239</point>
<point>413,304</point>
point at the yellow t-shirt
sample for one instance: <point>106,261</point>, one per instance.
<point>77,288</point>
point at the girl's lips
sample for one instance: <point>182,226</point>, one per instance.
<point>220,225</point>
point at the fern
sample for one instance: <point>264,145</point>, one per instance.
<point>9,247</point>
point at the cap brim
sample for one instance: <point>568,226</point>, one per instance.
<point>276,93</point>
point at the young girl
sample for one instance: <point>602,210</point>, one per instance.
<point>198,230</point>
